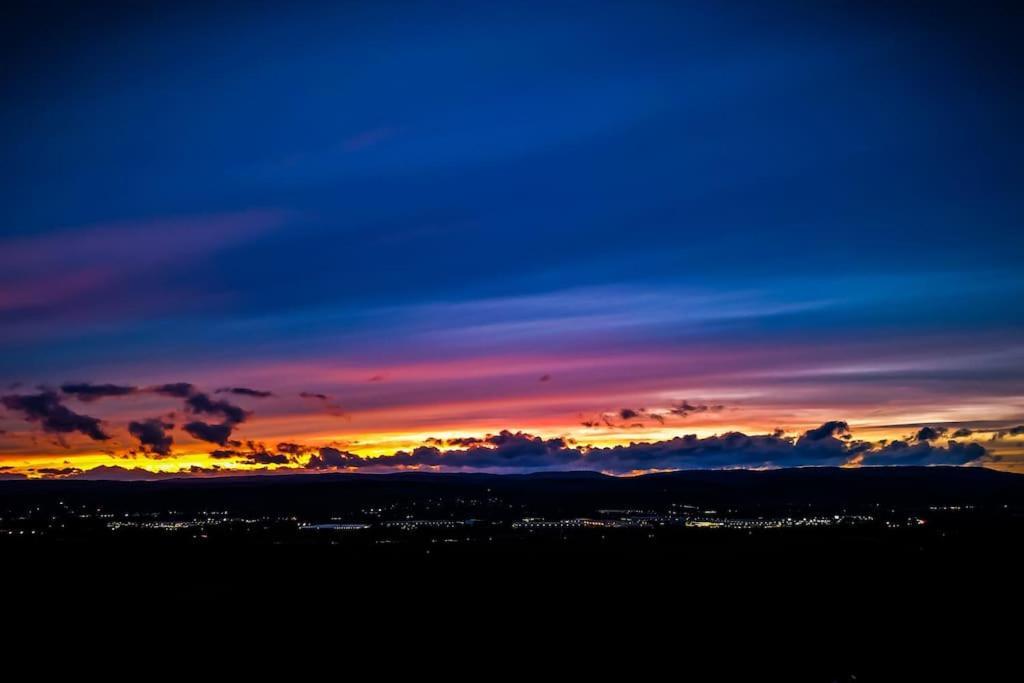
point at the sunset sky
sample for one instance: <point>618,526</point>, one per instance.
<point>509,237</point>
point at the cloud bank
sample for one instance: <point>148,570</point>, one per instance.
<point>508,451</point>
<point>213,420</point>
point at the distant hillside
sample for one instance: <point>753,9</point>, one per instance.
<point>562,492</point>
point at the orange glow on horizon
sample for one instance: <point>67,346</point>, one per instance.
<point>192,454</point>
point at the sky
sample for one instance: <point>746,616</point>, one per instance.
<point>624,237</point>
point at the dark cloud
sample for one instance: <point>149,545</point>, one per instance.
<point>152,435</point>
<point>57,471</point>
<point>201,404</point>
<point>244,391</point>
<point>464,441</point>
<point>924,453</point>
<point>929,433</point>
<point>46,409</point>
<point>214,433</point>
<point>685,408</point>
<point>827,430</point>
<point>177,390</point>
<point>962,432</point>
<point>505,438</point>
<point>266,458</point>
<point>631,417</point>
<point>502,451</point>
<point>730,450</point>
<point>319,397</point>
<point>625,418</point>
<point>293,448</point>
<point>332,458</point>
<point>544,378</point>
<point>254,454</point>
<point>91,392</point>
<point>508,451</point>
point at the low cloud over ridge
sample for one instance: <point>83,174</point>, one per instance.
<point>508,451</point>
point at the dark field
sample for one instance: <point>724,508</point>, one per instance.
<point>852,566</point>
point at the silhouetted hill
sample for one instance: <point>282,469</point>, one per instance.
<point>562,492</point>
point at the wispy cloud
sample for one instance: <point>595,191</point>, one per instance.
<point>60,271</point>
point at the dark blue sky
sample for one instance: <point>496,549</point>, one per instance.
<point>197,189</point>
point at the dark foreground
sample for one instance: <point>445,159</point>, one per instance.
<point>813,574</point>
